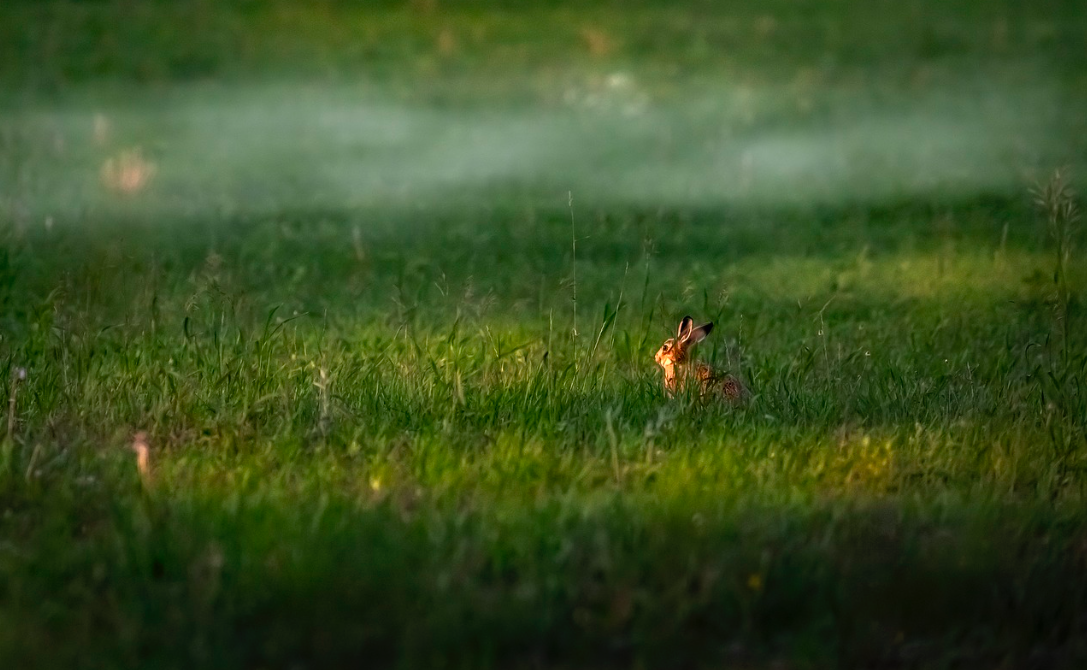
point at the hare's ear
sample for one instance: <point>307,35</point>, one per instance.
<point>700,333</point>
<point>685,327</point>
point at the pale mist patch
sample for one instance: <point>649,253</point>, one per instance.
<point>609,140</point>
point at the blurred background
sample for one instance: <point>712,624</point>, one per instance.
<point>185,109</point>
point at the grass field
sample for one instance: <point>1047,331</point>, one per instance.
<point>383,285</point>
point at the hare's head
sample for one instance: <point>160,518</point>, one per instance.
<point>676,350</point>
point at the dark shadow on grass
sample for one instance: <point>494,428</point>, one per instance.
<point>184,578</point>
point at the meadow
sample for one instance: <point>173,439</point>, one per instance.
<point>382,285</point>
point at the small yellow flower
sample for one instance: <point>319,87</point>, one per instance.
<point>375,483</point>
<point>754,581</point>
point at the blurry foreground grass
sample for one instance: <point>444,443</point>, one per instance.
<point>378,433</point>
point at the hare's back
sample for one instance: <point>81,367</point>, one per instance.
<point>733,388</point>
<point>728,385</point>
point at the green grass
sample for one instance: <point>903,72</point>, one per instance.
<point>342,307</point>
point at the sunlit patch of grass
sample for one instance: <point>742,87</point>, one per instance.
<point>965,274</point>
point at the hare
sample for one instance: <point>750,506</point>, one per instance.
<point>674,357</point>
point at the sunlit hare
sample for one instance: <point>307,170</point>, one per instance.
<point>674,357</point>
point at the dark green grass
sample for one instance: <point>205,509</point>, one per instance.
<point>379,434</point>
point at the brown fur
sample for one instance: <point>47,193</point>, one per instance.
<point>674,357</point>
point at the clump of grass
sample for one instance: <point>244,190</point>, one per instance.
<point>1061,382</point>
<point>1057,201</point>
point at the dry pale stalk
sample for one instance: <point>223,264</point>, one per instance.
<point>18,376</point>
<point>143,457</point>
